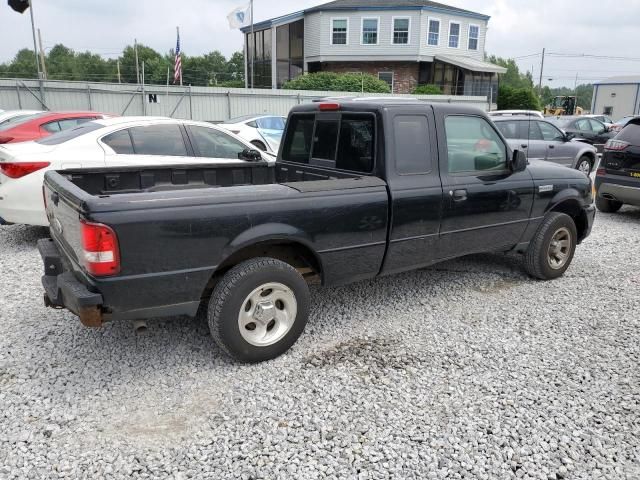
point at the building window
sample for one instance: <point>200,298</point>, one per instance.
<point>289,51</point>
<point>474,35</point>
<point>388,78</point>
<point>454,35</point>
<point>434,32</point>
<point>401,31</point>
<point>259,46</point>
<point>339,31</point>
<point>369,31</point>
<point>608,111</point>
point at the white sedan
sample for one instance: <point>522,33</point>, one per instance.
<point>113,142</point>
<point>263,131</point>
<point>12,116</point>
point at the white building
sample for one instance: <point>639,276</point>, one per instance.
<point>403,42</point>
<point>617,97</point>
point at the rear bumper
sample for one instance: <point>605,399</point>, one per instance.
<point>590,214</point>
<point>625,189</point>
<point>63,290</point>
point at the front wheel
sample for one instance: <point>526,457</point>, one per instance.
<point>552,248</point>
<point>258,309</point>
<point>584,165</point>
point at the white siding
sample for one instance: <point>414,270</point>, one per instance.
<point>625,101</point>
<point>318,35</point>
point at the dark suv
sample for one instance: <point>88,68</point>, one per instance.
<point>618,178</point>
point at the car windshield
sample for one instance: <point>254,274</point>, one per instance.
<point>241,119</point>
<point>561,122</point>
<point>21,120</point>
<point>66,135</point>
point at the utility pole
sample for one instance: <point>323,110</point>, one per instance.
<point>118,66</point>
<point>253,50</point>
<point>35,51</point>
<point>541,72</point>
<point>135,48</point>
<point>44,66</point>
<point>575,85</point>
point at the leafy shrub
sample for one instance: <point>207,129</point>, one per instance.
<point>510,98</point>
<point>427,89</point>
<point>338,82</point>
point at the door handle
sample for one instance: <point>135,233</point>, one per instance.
<point>552,146</point>
<point>524,145</point>
<point>458,195</point>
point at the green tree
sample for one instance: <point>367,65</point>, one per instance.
<point>510,98</point>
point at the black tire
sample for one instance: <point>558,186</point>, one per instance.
<point>259,145</point>
<point>229,297</point>
<point>607,206</point>
<point>584,160</point>
<point>537,258</point>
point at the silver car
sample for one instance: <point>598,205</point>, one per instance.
<point>542,140</point>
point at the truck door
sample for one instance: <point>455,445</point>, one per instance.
<point>485,205</point>
<point>415,190</point>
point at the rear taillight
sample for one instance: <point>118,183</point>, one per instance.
<point>5,139</point>
<point>601,171</point>
<point>100,253</point>
<point>20,169</point>
<point>615,145</point>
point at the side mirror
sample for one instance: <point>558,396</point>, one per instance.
<point>519,161</point>
<point>250,155</point>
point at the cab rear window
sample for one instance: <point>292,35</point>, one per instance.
<point>341,141</point>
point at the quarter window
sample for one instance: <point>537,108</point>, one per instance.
<point>474,35</point>
<point>339,30</point>
<point>473,146</point>
<point>454,35</point>
<point>212,143</point>
<point>370,31</point>
<point>119,142</point>
<point>401,31</point>
<point>158,140</point>
<point>434,32</point>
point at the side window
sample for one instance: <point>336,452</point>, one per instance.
<point>355,145</point>
<point>271,123</point>
<point>508,129</point>
<point>297,142</point>
<point>411,139</point>
<point>583,125</point>
<point>72,122</point>
<point>119,142</point>
<point>473,146</point>
<point>549,132</point>
<point>534,131</point>
<point>158,140</point>
<point>596,126</point>
<point>215,144</point>
<point>51,127</point>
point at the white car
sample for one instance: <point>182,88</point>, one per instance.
<point>112,142</point>
<point>263,131</point>
<point>12,116</point>
<point>516,113</point>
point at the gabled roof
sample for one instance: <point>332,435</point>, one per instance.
<point>390,5</point>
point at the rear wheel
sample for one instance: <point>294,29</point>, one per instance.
<point>584,165</point>
<point>258,309</point>
<point>552,248</point>
<point>607,206</point>
<point>259,145</point>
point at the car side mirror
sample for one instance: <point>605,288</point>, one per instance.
<point>519,161</point>
<point>250,154</point>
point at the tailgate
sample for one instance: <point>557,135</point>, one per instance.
<point>64,206</point>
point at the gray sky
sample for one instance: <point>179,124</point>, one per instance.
<point>517,28</point>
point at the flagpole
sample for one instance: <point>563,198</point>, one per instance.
<point>178,33</point>
<point>253,50</point>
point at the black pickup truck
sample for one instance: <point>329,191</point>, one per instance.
<point>359,189</point>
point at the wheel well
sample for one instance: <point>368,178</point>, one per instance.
<point>299,256</point>
<point>575,211</point>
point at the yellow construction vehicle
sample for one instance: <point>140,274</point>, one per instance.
<point>563,105</point>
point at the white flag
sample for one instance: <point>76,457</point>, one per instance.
<point>240,17</point>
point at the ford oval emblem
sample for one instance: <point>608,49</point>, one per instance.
<point>57,226</point>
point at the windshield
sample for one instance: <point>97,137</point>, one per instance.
<point>66,135</point>
<point>14,120</point>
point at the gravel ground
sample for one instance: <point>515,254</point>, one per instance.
<point>466,370</point>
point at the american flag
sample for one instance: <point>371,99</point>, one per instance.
<point>177,75</point>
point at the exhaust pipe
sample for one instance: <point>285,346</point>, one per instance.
<point>140,327</point>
